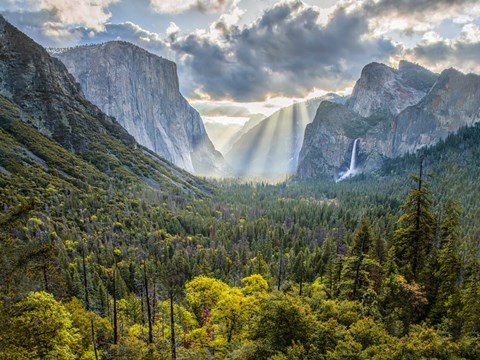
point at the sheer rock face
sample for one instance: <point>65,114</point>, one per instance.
<point>141,91</point>
<point>453,102</point>
<point>388,115</point>
<point>325,138</point>
<point>272,147</point>
<point>384,89</point>
<point>42,86</point>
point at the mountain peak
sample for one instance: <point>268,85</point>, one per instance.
<point>375,68</point>
<point>271,148</point>
<point>382,89</point>
<point>451,71</point>
<point>416,76</point>
<point>405,64</point>
<point>326,104</point>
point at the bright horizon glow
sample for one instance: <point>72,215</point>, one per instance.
<point>267,107</point>
<point>225,120</point>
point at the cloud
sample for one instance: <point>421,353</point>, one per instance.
<point>213,109</point>
<point>55,22</point>
<point>172,31</point>
<point>414,7</point>
<point>91,14</point>
<point>176,6</point>
<point>133,33</point>
<point>461,52</point>
<point>43,26</point>
<point>413,15</point>
<point>291,49</point>
<point>287,51</point>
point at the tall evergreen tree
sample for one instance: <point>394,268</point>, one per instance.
<point>356,275</point>
<point>415,234</point>
<point>448,271</point>
<point>469,297</point>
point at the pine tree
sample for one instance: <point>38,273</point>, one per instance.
<point>469,297</point>
<point>448,271</point>
<point>359,265</point>
<point>414,237</point>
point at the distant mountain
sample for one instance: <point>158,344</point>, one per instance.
<point>390,118</point>
<point>221,134</point>
<point>384,89</point>
<point>49,130</point>
<point>254,120</point>
<point>271,148</point>
<point>224,135</point>
<point>141,91</point>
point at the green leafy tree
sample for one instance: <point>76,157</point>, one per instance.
<point>39,327</point>
<point>469,296</point>
<point>282,322</point>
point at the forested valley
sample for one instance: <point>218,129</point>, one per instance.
<point>96,265</point>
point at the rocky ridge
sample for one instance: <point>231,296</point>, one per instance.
<point>392,112</point>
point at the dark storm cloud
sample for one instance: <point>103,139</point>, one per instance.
<point>285,52</point>
<point>443,54</point>
<point>412,7</point>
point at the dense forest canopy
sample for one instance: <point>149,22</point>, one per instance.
<point>98,264</point>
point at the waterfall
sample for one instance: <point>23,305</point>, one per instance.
<point>353,163</point>
<point>353,159</point>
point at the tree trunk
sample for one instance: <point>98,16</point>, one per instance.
<point>417,224</point>
<point>280,266</point>
<point>172,327</point>
<point>87,300</point>
<point>149,311</point>
<point>115,327</point>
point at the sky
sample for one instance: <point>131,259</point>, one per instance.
<point>255,56</point>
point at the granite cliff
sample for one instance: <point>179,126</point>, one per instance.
<point>271,148</point>
<point>42,87</point>
<point>330,131</point>
<point>387,90</point>
<point>392,112</point>
<point>55,130</point>
<point>452,103</point>
<point>141,91</point>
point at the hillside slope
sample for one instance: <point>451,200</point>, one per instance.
<point>43,109</point>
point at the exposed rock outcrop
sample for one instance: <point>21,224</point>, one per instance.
<point>453,102</point>
<point>36,89</point>
<point>141,91</point>
<point>387,90</point>
<point>390,116</point>
<point>43,87</point>
<point>330,133</point>
<point>272,147</point>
